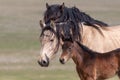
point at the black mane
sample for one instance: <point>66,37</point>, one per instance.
<point>73,16</point>
<point>69,31</point>
<point>69,14</point>
<point>83,17</point>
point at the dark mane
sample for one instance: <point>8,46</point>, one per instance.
<point>83,17</point>
<point>63,31</point>
<point>73,17</point>
<point>91,52</point>
<point>69,14</point>
<point>69,31</point>
<point>47,28</point>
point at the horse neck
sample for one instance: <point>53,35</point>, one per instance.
<point>79,55</point>
<point>89,35</point>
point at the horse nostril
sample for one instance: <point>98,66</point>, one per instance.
<point>44,62</point>
<point>62,61</point>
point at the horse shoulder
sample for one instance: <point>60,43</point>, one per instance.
<point>92,38</point>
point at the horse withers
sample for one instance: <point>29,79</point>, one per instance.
<point>91,65</point>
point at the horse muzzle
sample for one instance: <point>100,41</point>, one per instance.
<point>44,63</point>
<point>62,60</point>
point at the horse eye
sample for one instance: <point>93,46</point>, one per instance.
<point>51,40</point>
<point>53,19</point>
<point>69,48</point>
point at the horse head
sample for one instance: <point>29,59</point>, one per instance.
<point>53,12</point>
<point>67,51</point>
<point>49,43</point>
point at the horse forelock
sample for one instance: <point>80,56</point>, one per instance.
<point>50,29</point>
<point>52,34</point>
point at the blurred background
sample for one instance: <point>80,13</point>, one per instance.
<point>19,37</point>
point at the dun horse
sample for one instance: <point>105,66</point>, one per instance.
<point>91,65</point>
<point>108,38</point>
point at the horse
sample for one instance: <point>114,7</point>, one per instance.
<point>108,38</point>
<point>61,13</point>
<point>91,65</point>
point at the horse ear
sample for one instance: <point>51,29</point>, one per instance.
<point>62,6</point>
<point>47,5</point>
<point>42,25</point>
<point>52,24</point>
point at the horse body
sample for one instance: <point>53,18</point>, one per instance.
<point>91,65</point>
<point>108,39</point>
<point>107,68</point>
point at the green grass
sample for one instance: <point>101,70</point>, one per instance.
<point>39,75</point>
<point>19,37</point>
<point>19,41</point>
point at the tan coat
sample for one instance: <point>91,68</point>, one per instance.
<point>107,40</point>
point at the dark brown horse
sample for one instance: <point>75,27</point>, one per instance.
<point>62,13</point>
<point>91,65</point>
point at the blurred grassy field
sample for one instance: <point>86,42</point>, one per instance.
<point>19,37</point>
